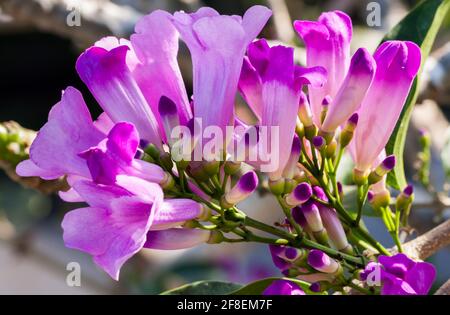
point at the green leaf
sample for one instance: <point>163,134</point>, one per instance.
<point>445,154</point>
<point>205,288</point>
<point>258,287</point>
<point>420,26</point>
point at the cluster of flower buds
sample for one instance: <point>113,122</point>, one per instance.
<point>319,221</point>
<point>308,265</point>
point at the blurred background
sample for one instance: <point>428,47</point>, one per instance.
<point>38,50</point>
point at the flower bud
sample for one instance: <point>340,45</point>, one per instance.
<point>331,149</point>
<point>322,262</point>
<point>312,216</point>
<point>168,182</point>
<point>404,201</point>
<point>243,188</point>
<point>300,176</point>
<point>386,166</point>
<point>319,193</point>
<point>348,130</point>
<point>283,287</point>
<point>304,111</point>
<point>299,129</point>
<point>325,104</point>
<point>211,167</point>
<point>335,230</point>
<point>318,142</point>
<point>299,195</point>
<point>277,186</point>
<point>379,199</point>
<point>195,169</point>
<point>327,135</point>
<point>153,151</point>
<point>231,167</point>
<point>289,185</point>
<point>360,177</point>
<point>216,237</point>
<point>291,165</point>
<point>166,160</point>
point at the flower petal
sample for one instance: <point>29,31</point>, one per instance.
<point>157,73</point>
<point>69,130</point>
<point>397,65</point>
<point>172,239</point>
<point>109,79</point>
<point>174,212</point>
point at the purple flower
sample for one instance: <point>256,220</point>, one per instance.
<point>114,226</point>
<point>401,275</point>
<point>217,44</point>
<point>106,71</point>
<point>352,91</point>
<point>269,76</point>
<point>115,155</point>
<point>283,287</point>
<point>327,45</point>
<point>397,65</point>
<point>69,131</point>
<point>156,69</point>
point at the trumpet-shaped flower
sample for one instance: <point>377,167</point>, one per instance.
<point>217,44</point>
<point>397,65</point>
<point>327,45</point>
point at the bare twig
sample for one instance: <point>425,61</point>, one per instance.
<point>444,289</point>
<point>429,243</point>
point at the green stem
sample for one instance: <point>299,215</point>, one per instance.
<point>288,214</point>
<point>224,183</point>
<point>338,158</point>
<point>362,196</point>
<point>360,289</point>
<point>300,243</point>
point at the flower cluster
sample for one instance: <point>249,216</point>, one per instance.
<point>151,180</point>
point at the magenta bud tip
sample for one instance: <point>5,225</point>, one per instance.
<point>248,182</point>
<point>326,100</point>
<point>423,132</point>
<point>296,145</point>
<point>303,99</point>
<point>315,287</point>
<point>409,190</point>
<point>317,259</point>
<point>320,193</point>
<point>309,207</point>
<point>354,119</point>
<point>318,141</point>
<point>303,192</point>
<point>340,188</point>
<point>370,196</point>
<point>166,106</point>
<point>290,253</point>
<point>389,162</point>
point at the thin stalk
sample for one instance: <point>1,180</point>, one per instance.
<point>288,214</point>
